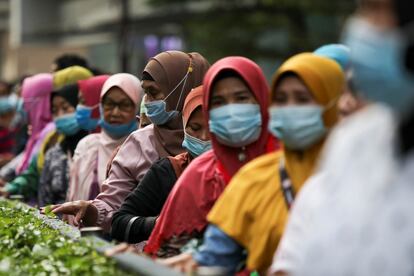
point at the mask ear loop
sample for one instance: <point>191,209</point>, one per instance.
<point>90,107</point>
<point>189,70</point>
<point>94,106</point>
<point>184,79</point>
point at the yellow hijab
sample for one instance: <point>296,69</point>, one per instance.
<point>70,75</point>
<point>51,139</point>
<point>252,209</point>
<point>61,78</point>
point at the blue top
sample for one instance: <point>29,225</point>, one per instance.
<point>218,249</point>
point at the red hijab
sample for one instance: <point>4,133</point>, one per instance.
<point>204,180</point>
<point>91,92</point>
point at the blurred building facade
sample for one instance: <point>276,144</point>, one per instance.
<point>33,33</point>
<point>120,35</point>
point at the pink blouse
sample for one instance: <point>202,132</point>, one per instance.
<point>129,166</point>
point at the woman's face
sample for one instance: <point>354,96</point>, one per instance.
<point>60,107</point>
<point>292,91</point>
<point>231,90</point>
<point>152,91</point>
<point>196,125</point>
<point>117,107</point>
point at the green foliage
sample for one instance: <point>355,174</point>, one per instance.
<point>48,212</point>
<point>28,246</point>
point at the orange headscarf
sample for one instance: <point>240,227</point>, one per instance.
<point>192,102</point>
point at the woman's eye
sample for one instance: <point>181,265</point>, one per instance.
<point>303,99</point>
<point>215,102</point>
<point>280,99</point>
<point>195,127</point>
<point>241,98</point>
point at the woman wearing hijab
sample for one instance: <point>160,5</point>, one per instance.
<point>36,102</point>
<point>36,92</point>
<point>235,105</point>
<point>138,214</point>
<point>69,75</point>
<point>87,111</point>
<point>251,214</point>
<point>54,179</point>
<point>119,97</point>
<point>167,80</point>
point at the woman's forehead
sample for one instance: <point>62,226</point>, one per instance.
<point>116,94</point>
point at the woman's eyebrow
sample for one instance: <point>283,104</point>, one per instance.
<point>117,101</point>
<point>241,92</point>
<point>216,97</point>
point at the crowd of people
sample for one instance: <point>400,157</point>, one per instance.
<point>200,165</point>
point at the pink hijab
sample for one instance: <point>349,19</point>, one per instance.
<point>95,151</point>
<point>130,84</point>
<point>36,92</point>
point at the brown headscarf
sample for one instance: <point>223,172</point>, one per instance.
<point>192,102</point>
<point>168,69</point>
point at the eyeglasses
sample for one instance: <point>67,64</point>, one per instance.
<point>125,106</point>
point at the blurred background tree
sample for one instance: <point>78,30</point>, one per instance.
<point>121,35</point>
<point>266,31</point>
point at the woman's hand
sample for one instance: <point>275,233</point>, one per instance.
<point>183,263</point>
<point>84,211</point>
<point>121,248</point>
<point>4,192</point>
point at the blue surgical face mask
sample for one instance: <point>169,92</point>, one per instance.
<point>157,112</point>
<point>20,117</point>
<point>67,124</point>
<point>377,59</point>
<point>84,117</point>
<point>195,146</point>
<point>299,127</point>
<point>8,103</point>
<point>236,125</point>
<point>118,131</point>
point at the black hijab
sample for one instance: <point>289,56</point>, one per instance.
<point>70,94</point>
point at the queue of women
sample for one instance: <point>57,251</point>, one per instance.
<point>196,165</point>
